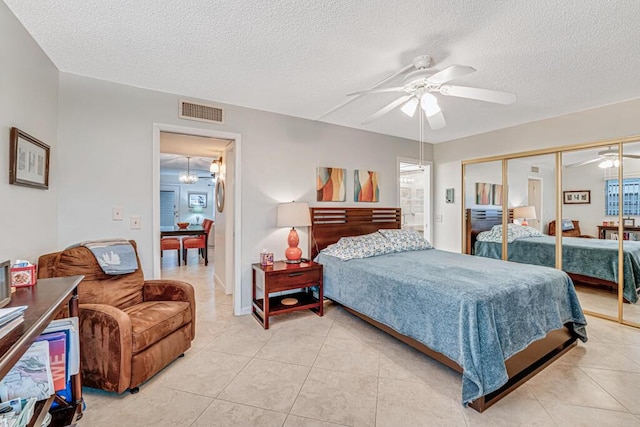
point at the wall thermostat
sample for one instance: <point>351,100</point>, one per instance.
<point>449,195</point>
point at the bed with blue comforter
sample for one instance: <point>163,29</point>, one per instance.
<point>588,257</point>
<point>476,311</point>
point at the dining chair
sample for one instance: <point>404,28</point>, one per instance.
<point>199,242</point>
<point>170,244</point>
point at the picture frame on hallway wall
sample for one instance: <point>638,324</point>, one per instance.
<point>365,186</point>
<point>330,184</point>
<point>197,200</point>
<point>28,160</point>
<point>576,197</point>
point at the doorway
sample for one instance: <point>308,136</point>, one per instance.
<point>534,196</point>
<point>232,228</point>
<point>414,196</point>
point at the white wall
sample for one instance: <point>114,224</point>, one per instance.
<point>28,101</point>
<point>606,122</point>
<point>106,160</point>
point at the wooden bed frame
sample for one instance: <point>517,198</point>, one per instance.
<point>479,220</point>
<point>328,225</point>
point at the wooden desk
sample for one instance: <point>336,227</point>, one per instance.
<point>44,300</point>
<point>602,230</point>
<point>192,230</point>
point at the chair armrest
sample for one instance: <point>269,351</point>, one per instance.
<point>172,290</point>
<point>106,347</point>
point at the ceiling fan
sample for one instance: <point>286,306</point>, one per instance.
<point>420,84</point>
<point>608,158</point>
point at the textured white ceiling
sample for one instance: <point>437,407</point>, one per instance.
<point>301,57</point>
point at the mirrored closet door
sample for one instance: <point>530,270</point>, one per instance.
<point>483,197</point>
<point>590,228</point>
<point>532,200</point>
<point>631,229</point>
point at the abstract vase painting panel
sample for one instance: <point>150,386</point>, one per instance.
<point>330,184</point>
<point>365,186</point>
<point>497,194</point>
<point>484,193</point>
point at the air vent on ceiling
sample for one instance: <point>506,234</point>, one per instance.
<point>200,112</point>
<point>535,169</point>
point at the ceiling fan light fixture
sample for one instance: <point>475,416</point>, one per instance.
<point>608,163</point>
<point>429,104</point>
<point>410,107</point>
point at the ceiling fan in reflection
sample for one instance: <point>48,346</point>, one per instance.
<point>608,159</point>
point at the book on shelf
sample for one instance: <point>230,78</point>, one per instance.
<point>8,327</point>
<point>9,314</point>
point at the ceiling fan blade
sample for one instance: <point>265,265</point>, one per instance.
<point>375,85</point>
<point>386,109</point>
<point>574,165</point>
<point>450,73</point>
<point>486,95</point>
<point>630,156</point>
<point>437,121</point>
<point>388,89</point>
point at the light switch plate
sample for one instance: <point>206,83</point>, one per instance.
<point>117,213</point>
<point>135,222</point>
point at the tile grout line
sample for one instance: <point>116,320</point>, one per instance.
<point>604,389</point>
<point>310,369</point>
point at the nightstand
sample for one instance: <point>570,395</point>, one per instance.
<point>285,277</point>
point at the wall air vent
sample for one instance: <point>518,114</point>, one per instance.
<point>201,112</point>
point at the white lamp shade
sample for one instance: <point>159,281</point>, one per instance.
<point>526,212</point>
<point>294,214</point>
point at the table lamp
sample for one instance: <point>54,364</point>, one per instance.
<point>294,214</point>
<point>197,210</point>
<point>524,212</point>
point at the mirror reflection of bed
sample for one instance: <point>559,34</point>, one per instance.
<point>631,171</point>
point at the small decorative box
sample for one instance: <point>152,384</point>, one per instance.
<point>23,276</point>
<point>266,258</point>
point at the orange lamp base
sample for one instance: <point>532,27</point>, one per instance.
<point>293,253</point>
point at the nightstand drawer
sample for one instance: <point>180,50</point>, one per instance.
<point>293,279</point>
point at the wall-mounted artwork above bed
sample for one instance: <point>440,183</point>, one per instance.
<point>365,186</point>
<point>330,184</point>
<point>484,193</point>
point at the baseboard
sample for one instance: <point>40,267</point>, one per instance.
<point>245,310</point>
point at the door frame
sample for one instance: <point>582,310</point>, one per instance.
<point>428,163</point>
<point>236,252</point>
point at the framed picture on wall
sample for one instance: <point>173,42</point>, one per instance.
<point>576,197</point>
<point>197,200</point>
<point>28,160</point>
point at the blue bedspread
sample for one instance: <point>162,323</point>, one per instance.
<point>476,311</point>
<point>589,257</point>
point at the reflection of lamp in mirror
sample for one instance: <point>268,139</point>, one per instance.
<point>197,210</point>
<point>293,215</point>
<point>524,212</point>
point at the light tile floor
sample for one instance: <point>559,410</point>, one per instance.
<point>337,370</point>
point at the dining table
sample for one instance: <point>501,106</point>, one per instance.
<point>191,230</point>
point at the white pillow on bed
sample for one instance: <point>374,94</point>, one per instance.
<point>365,246</point>
<point>406,240</point>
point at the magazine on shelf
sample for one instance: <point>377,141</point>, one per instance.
<point>57,357</point>
<point>69,326</point>
<point>30,376</point>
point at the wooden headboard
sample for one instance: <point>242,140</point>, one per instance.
<point>479,220</point>
<point>328,225</point>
